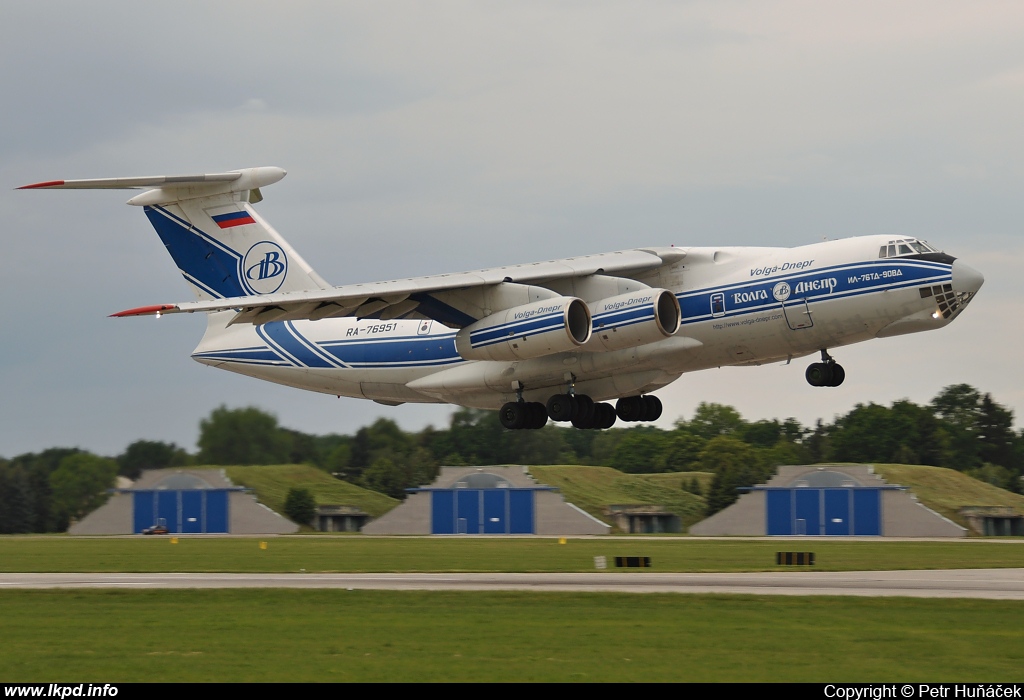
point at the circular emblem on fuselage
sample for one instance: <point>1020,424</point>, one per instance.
<point>781,291</point>
<point>264,268</point>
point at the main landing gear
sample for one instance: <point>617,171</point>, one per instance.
<point>828,372</point>
<point>579,409</point>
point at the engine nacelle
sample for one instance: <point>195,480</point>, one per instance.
<point>559,324</point>
<point>633,319</point>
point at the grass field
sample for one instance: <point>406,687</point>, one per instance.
<point>382,554</point>
<point>299,635</point>
<point>946,491</point>
<point>271,484</point>
<point>594,488</point>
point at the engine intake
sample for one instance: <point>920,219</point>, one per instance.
<point>533,330</point>
<point>633,319</point>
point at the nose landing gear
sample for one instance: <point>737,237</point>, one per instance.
<point>828,372</point>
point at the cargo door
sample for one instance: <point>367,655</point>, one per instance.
<point>192,520</point>
<point>168,508</point>
<point>467,504</point>
<point>144,510</point>
<point>520,512</point>
<point>807,508</point>
<point>837,512</point>
<point>216,511</point>
<point>495,511</point>
<point>867,512</point>
<point>780,512</point>
<point>442,513</point>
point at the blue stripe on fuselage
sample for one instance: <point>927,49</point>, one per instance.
<point>292,344</point>
<point>288,346</point>
<point>402,351</point>
<point>835,282</point>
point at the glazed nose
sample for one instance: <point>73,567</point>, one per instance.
<point>966,278</point>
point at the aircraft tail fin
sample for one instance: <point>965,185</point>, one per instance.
<point>221,245</point>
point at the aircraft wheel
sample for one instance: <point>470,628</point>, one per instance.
<point>652,406</point>
<point>583,423</point>
<point>562,407</point>
<point>538,414</point>
<point>513,415</point>
<point>585,408</point>
<point>585,415</point>
<point>818,374</point>
<point>630,408</point>
<point>838,375</point>
<point>604,416</point>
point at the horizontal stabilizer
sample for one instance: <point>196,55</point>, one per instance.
<point>171,189</point>
<point>154,310</point>
<point>131,183</point>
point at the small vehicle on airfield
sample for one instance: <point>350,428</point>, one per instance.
<point>159,529</point>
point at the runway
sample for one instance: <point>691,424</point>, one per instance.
<point>999,584</point>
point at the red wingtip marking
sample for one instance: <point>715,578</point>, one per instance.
<point>143,311</point>
<point>39,185</point>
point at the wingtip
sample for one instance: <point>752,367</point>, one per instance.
<point>154,310</point>
<point>41,185</point>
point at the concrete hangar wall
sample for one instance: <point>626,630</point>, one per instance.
<point>192,501</point>
<point>486,501</point>
<point>833,500</point>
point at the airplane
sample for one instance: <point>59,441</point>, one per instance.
<point>552,340</point>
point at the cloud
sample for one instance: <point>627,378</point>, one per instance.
<point>424,138</point>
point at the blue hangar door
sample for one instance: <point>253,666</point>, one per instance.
<point>482,511</point>
<point>825,511</point>
<point>183,512</point>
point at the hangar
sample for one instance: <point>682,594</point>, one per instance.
<point>185,501</point>
<point>485,501</point>
<point>828,500</point>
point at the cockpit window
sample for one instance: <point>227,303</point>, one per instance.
<point>904,246</point>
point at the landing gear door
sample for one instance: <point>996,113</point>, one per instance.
<point>797,311</point>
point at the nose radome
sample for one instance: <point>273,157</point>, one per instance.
<point>966,278</point>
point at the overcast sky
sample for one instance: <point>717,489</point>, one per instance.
<point>435,137</point>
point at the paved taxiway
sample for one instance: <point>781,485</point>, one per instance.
<point>1004,584</point>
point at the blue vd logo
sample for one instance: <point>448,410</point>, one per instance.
<point>269,266</point>
<point>264,268</point>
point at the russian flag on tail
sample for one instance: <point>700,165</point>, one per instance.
<point>232,219</point>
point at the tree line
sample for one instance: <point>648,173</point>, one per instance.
<point>961,428</point>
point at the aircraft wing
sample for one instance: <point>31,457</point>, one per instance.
<point>456,300</point>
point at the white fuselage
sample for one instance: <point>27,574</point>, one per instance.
<point>739,306</point>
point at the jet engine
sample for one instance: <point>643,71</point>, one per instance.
<point>633,319</point>
<point>523,332</point>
